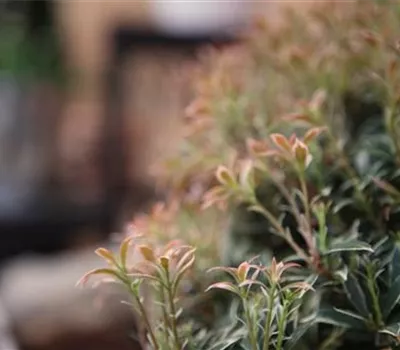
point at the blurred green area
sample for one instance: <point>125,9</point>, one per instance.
<point>29,46</point>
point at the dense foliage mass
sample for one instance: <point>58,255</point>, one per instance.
<point>291,151</point>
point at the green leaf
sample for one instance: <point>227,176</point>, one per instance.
<point>395,264</point>
<point>342,204</point>
<point>293,258</point>
<point>393,330</point>
<point>382,245</point>
<point>297,335</point>
<point>387,187</point>
<point>342,273</point>
<point>384,251</point>
<point>391,298</point>
<point>220,339</point>
<point>347,246</point>
<point>134,286</point>
<point>356,295</point>
<point>341,318</point>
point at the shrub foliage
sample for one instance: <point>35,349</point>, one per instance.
<point>293,144</point>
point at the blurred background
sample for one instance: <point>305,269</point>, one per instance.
<point>91,94</point>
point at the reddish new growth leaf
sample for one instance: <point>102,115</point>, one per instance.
<point>243,270</point>
<point>102,271</point>
<point>147,253</point>
<point>281,142</point>
<point>106,255</point>
<point>313,133</point>
<point>276,270</point>
<point>224,285</point>
<point>123,251</point>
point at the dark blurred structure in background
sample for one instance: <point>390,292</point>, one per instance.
<point>35,199</point>
<point>82,86</point>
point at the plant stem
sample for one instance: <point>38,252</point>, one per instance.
<point>374,295</point>
<point>306,200</point>
<point>308,234</point>
<point>172,311</point>
<point>145,318</point>
<point>285,193</point>
<point>323,237</point>
<point>282,232</point>
<point>297,215</point>
<point>281,326</point>
<point>167,324</point>
<point>250,326</point>
<point>268,321</point>
<point>348,169</point>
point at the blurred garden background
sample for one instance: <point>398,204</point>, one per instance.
<point>90,94</point>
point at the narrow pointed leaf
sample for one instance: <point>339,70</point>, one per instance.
<point>347,246</point>
<point>224,285</point>
<point>340,319</point>
<point>342,273</point>
<point>396,264</point>
<point>297,335</point>
<point>281,142</point>
<point>225,176</point>
<point>342,204</point>
<point>144,276</point>
<point>103,271</point>
<point>250,282</point>
<point>182,272</point>
<point>356,295</point>
<point>147,253</point>
<point>229,270</point>
<point>106,255</point>
<point>393,330</point>
<point>188,256</point>
<point>391,298</point>
<point>123,251</point>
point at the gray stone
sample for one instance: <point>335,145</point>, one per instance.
<point>47,311</point>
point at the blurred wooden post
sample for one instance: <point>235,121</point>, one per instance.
<point>85,28</point>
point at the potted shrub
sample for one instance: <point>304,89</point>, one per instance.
<point>294,135</point>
